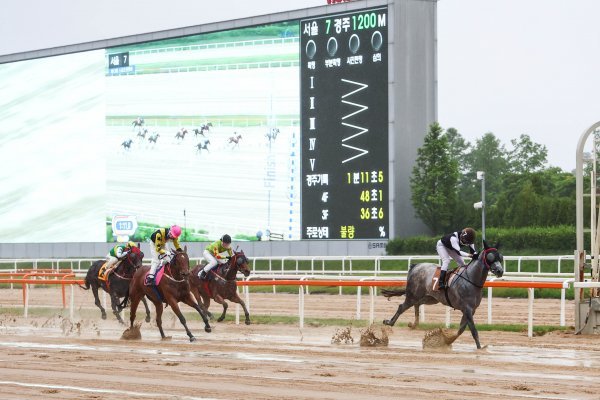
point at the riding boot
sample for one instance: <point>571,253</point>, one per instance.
<point>149,280</point>
<point>442,281</point>
<point>203,275</point>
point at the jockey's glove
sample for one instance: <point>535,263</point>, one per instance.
<point>475,256</point>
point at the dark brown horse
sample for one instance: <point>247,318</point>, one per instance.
<point>172,288</point>
<point>117,284</point>
<point>226,289</point>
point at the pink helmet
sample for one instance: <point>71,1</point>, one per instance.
<point>175,231</point>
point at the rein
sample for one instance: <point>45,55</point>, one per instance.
<point>485,264</point>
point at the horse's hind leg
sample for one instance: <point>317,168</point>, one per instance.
<point>114,303</point>
<point>147,309</point>
<point>190,302</point>
<point>97,301</point>
<point>415,324</point>
<point>401,308</point>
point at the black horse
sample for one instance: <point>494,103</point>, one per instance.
<point>117,284</point>
<point>203,146</point>
<point>127,144</point>
<point>153,138</point>
<point>464,291</point>
<point>203,127</point>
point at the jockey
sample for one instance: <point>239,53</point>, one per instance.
<point>216,253</point>
<point>448,248</point>
<point>163,239</point>
<point>116,254</point>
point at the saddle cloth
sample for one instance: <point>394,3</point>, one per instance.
<point>450,276</point>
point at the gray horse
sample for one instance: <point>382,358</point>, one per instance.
<point>464,292</point>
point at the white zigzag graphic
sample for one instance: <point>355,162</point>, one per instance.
<point>360,129</point>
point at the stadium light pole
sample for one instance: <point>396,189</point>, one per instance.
<point>481,204</point>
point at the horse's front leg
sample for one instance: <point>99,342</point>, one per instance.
<point>114,303</point>
<point>190,302</point>
<point>147,309</point>
<point>219,299</point>
<point>177,312</point>
<point>238,300</point>
<point>468,313</point>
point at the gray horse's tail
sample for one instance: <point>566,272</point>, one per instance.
<point>392,293</point>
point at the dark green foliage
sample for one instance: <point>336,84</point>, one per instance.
<point>433,181</point>
<point>556,239</point>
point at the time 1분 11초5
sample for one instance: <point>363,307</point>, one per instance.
<point>356,22</point>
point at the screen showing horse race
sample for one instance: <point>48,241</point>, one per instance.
<point>273,131</point>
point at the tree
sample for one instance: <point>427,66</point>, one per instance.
<point>527,156</point>
<point>434,180</point>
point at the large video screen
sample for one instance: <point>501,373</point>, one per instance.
<point>205,131</point>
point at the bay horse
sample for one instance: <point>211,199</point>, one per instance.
<point>203,127</point>
<point>172,288</point>
<point>234,140</point>
<point>226,289</point>
<point>464,292</point>
<point>139,121</point>
<point>117,284</point>
<point>181,134</point>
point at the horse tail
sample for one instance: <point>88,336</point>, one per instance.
<point>391,293</point>
<point>87,284</point>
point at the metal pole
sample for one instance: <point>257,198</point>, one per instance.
<point>483,206</point>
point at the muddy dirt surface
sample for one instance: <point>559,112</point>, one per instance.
<point>85,358</point>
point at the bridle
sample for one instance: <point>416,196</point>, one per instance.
<point>486,266</point>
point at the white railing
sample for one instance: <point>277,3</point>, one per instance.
<point>321,264</point>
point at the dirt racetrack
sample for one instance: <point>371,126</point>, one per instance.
<point>45,357</point>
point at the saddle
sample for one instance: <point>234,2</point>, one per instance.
<point>102,271</point>
<point>450,275</point>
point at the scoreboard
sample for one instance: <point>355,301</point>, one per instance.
<point>344,125</point>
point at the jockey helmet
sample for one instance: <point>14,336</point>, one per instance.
<point>175,231</point>
<point>131,245</point>
<point>226,239</point>
<point>467,236</point>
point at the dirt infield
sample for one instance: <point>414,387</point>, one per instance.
<point>53,357</point>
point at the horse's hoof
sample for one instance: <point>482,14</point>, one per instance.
<point>207,329</point>
<point>192,339</point>
<point>248,322</point>
<point>147,318</point>
<point>167,338</point>
<point>221,319</point>
<point>387,322</point>
<point>103,316</point>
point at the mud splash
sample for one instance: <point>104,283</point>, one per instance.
<point>369,337</point>
<point>132,333</point>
